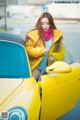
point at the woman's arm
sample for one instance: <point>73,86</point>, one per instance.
<point>33,52</point>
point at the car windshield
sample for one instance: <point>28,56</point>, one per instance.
<point>13,61</point>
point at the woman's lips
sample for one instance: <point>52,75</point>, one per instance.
<point>45,29</point>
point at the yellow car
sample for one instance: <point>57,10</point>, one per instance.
<point>22,97</point>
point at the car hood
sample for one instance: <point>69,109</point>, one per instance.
<point>7,87</point>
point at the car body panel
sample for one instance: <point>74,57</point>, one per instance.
<point>60,93</point>
<point>26,96</point>
<point>73,114</point>
<point>7,86</point>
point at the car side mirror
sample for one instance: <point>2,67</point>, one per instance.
<point>59,67</point>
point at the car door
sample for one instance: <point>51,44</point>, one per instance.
<point>59,93</point>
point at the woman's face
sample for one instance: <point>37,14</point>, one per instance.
<point>45,24</point>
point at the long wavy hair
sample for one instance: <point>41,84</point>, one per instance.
<point>39,26</point>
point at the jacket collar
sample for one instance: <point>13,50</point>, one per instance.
<point>34,34</point>
<point>56,35</point>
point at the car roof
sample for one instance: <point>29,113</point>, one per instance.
<point>11,37</point>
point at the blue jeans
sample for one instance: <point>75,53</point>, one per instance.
<point>42,66</point>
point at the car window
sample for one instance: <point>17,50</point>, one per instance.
<point>13,61</point>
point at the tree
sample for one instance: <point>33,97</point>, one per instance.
<point>3,4</point>
<point>5,15</point>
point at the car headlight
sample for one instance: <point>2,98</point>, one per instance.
<point>17,113</point>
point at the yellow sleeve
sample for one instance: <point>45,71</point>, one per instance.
<point>33,52</point>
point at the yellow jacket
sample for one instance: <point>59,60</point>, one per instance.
<point>35,48</point>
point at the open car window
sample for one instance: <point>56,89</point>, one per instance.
<point>13,60</point>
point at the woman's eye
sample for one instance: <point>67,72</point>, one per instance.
<point>45,23</point>
<point>42,23</point>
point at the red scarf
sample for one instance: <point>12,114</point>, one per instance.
<point>47,34</point>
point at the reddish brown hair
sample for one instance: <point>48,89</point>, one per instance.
<point>39,26</point>
<point>49,17</point>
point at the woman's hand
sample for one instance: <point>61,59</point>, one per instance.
<point>51,59</point>
<point>46,51</point>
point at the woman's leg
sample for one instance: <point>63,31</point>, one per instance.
<point>36,73</point>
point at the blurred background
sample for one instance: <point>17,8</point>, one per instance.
<point>33,8</point>
<point>29,10</point>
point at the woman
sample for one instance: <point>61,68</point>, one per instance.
<point>44,44</point>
